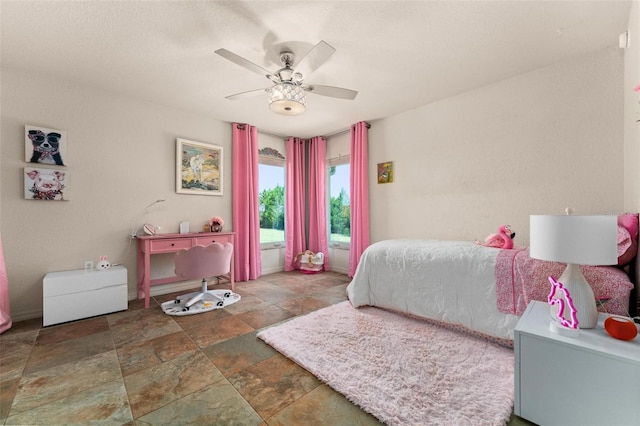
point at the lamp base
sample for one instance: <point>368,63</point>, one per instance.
<point>582,295</point>
<point>558,328</point>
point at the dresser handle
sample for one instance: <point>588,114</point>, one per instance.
<point>173,244</point>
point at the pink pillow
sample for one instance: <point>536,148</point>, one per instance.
<point>627,238</point>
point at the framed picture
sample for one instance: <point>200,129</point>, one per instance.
<point>45,184</point>
<point>385,172</point>
<point>198,168</point>
<point>45,146</point>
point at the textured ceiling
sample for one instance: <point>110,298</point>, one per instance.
<point>398,55</point>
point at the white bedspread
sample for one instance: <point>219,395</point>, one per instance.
<point>449,281</point>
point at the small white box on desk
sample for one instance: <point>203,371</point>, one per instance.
<point>83,293</point>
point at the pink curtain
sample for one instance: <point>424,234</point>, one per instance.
<point>294,202</point>
<point>5,318</point>
<point>359,191</point>
<point>317,198</point>
<point>246,216</point>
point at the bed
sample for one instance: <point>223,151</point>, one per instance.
<point>479,289</point>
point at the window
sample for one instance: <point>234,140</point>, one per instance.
<point>271,200</point>
<point>339,208</point>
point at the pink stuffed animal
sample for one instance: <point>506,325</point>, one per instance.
<point>503,239</point>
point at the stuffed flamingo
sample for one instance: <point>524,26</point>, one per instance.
<point>503,239</point>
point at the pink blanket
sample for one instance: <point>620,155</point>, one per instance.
<point>521,279</point>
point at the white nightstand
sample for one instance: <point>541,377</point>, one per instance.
<point>591,379</point>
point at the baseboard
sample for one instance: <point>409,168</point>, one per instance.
<point>158,290</point>
<point>27,315</point>
<point>272,270</point>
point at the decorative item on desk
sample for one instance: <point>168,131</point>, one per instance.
<point>216,224</point>
<point>575,240</point>
<point>560,324</point>
<point>133,226</point>
<point>149,229</point>
<point>184,227</point>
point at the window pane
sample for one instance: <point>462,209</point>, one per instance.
<point>339,207</point>
<point>271,199</point>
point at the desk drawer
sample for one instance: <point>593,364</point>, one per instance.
<point>170,245</point>
<point>205,241</point>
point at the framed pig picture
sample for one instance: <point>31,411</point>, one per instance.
<point>45,184</point>
<point>45,146</point>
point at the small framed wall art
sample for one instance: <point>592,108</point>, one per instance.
<point>45,146</point>
<point>199,168</point>
<point>385,172</point>
<point>45,184</point>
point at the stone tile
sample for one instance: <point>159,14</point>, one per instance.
<point>303,305</point>
<point>7,393</point>
<point>148,353</point>
<point>15,349</point>
<point>211,332</point>
<point>238,353</point>
<point>261,318</point>
<point>217,404</point>
<point>136,326</point>
<point>44,356</point>
<point>52,384</point>
<point>246,304</point>
<point>333,295</point>
<point>162,384</point>
<point>23,326</point>
<point>106,403</point>
<point>188,321</point>
<point>322,406</point>
<point>273,384</point>
<point>272,293</point>
<point>72,330</point>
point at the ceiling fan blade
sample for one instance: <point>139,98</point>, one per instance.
<point>243,62</point>
<point>331,91</point>
<point>317,56</point>
<point>245,94</point>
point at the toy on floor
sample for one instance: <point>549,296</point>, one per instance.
<point>308,262</point>
<point>503,239</point>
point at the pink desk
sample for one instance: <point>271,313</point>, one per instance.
<point>172,243</point>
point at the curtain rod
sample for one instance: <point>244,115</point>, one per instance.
<point>330,135</point>
<point>343,131</point>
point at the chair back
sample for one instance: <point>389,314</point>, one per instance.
<point>204,261</point>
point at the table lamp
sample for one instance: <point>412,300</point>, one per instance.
<point>575,240</point>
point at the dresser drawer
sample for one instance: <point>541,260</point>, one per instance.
<point>205,241</point>
<point>170,245</point>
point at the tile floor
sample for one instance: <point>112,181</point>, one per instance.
<point>142,367</point>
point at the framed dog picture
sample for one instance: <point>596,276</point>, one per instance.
<point>45,146</point>
<point>198,168</point>
<point>45,184</point>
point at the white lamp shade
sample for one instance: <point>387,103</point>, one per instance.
<point>581,240</point>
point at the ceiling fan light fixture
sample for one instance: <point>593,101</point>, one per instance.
<point>287,98</point>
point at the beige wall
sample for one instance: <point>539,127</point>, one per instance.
<point>121,157</point>
<point>531,144</point>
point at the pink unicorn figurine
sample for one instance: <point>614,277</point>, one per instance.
<point>503,239</point>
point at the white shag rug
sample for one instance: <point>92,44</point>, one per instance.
<point>402,370</point>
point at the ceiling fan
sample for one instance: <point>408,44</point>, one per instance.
<point>287,96</point>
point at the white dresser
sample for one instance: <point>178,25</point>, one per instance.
<point>83,293</point>
<point>590,379</point>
